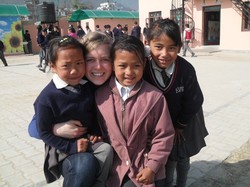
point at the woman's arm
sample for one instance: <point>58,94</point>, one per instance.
<point>70,129</point>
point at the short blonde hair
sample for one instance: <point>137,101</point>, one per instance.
<point>94,39</point>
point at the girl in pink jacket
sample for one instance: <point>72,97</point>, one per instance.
<point>134,118</point>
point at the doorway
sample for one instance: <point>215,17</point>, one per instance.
<point>211,25</point>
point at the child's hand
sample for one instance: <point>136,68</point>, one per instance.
<point>93,139</point>
<point>82,145</point>
<point>145,176</point>
<point>179,137</point>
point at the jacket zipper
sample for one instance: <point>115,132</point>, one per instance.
<point>123,122</point>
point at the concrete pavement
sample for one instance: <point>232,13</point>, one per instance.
<point>225,81</point>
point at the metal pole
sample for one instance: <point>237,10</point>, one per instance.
<point>183,16</point>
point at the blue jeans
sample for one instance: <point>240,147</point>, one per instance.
<point>79,170</point>
<point>181,166</point>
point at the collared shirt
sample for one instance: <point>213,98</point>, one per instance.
<point>157,72</point>
<point>123,90</point>
<point>59,83</point>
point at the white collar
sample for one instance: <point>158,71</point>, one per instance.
<point>127,88</point>
<point>59,83</point>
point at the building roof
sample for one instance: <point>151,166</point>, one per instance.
<point>14,10</point>
<point>86,14</point>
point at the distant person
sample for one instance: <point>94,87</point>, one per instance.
<point>80,32</point>
<point>125,29</point>
<point>107,31</point>
<point>45,46</point>
<point>144,32</point>
<point>56,32</point>
<point>136,30</point>
<point>28,40</point>
<point>97,28</point>
<point>72,32</point>
<point>2,53</point>
<point>88,30</point>
<point>40,39</point>
<point>117,31</point>
<point>187,38</point>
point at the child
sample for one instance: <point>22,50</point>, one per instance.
<point>135,119</point>
<point>176,78</point>
<point>68,97</point>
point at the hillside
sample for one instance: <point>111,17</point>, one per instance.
<point>121,4</point>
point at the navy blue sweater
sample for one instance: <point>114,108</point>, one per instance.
<point>183,94</point>
<point>59,105</point>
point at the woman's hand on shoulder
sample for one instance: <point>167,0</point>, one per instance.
<point>70,129</point>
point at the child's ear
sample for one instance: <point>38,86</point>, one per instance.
<point>52,66</point>
<point>179,49</point>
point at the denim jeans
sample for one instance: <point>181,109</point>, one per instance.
<point>181,166</point>
<point>79,170</point>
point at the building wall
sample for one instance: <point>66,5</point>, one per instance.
<point>151,6</point>
<point>231,35</point>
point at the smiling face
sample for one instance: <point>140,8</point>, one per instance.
<point>69,65</point>
<point>98,64</point>
<point>164,51</point>
<point>128,67</point>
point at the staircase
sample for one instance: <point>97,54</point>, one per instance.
<point>244,7</point>
<point>176,13</point>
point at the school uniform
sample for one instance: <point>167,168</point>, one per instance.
<point>57,103</point>
<point>185,99</point>
<point>129,122</point>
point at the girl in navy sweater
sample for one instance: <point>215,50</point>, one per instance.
<point>69,97</point>
<point>176,78</point>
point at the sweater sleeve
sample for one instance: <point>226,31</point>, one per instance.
<point>162,138</point>
<point>44,122</point>
<point>192,99</point>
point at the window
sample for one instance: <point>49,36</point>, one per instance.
<point>246,17</point>
<point>153,16</point>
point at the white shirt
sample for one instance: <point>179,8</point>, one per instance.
<point>59,83</point>
<point>157,72</point>
<point>124,91</point>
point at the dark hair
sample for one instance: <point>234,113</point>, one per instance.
<point>130,44</point>
<point>44,30</point>
<point>71,29</point>
<point>62,43</point>
<point>165,26</point>
<point>39,28</point>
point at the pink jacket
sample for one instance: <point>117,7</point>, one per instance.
<point>140,130</point>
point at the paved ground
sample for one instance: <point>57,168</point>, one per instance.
<point>225,81</point>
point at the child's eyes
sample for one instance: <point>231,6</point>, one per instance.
<point>79,63</point>
<point>138,65</point>
<point>121,66</point>
<point>158,47</point>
